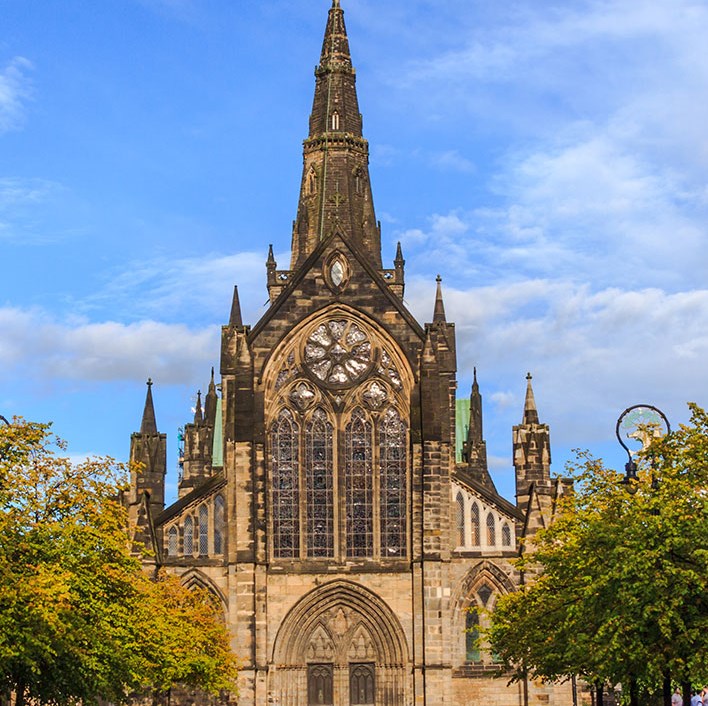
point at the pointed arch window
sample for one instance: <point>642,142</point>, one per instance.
<point>188,536</point>
<point>392,474</point>
<point>474,525</point>
<point>506,535</point>
<point>359,486</point>
<point>219,524</point>
<point>472,650</point>
<point>335,120</point>
<point>491,530</point>
<point>460,504</point>
<point>285,493</point>
<point>320,486</point>
<point>172,541</point>
<point>203,530</point>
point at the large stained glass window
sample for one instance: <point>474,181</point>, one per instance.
<point>359,486</point>
<point>392,467</point>
<point>320,486</point>
<point>284,449</point>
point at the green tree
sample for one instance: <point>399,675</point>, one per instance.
<point>616,588</point>
<point>79,618</point>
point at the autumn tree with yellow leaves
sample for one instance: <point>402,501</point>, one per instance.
<point>79,618</point>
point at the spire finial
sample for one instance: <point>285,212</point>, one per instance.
<point>148,424</point>
<point>198,418</point>
<point>530,411</point>
<point>439,313</point>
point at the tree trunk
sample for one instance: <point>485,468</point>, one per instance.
<point>20,693</point>
<point>686,689</point>
<point>600,694</point>
<point>666,689</point>
<point>633,693</point>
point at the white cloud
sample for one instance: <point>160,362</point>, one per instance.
<point>591,351</point>
<point>15,91</point>
<point>452,160</point>
<point>33,344</point>
<point>20,202</point>
<point>190,289</point>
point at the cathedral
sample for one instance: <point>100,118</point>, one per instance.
<point>334,494</point>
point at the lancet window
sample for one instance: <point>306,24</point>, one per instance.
<point>359,486</point>
<point>219,525</point>
<point>203,530</point>
<point>460,504</point>
<point>506,535</point>
<point>172,541</point>
<point>188,536</point>
<point>474,525</point>
<point>320,486</point>
<point>284,449</point>
<point>491,530</point>
<point>393,463</point>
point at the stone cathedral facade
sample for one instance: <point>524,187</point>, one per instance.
<point>334,495</point>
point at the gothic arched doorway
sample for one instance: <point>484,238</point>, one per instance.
<point>340,645</point>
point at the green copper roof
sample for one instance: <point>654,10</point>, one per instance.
<point>462,424</point>
<point>217,449</point>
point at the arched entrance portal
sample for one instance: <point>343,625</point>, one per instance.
<point>340,645</point>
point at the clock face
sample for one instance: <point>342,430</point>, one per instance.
<point>338,352</point>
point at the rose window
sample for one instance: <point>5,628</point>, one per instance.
<point>338,352</point>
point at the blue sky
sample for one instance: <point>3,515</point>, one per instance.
<point>548,159</point>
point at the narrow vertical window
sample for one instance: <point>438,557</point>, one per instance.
<point>460,520</point>
<point>335,120</point>
<point>359,487</point>
<point>312,181</point>
<point>188,537</point>
<point>219,525</point>
<point>491,530</point>
<point>506,535</point>
<point>474,525</point>
<point>203,530</point>
<point>285,494</point>
<point>172,541</point>
<point>472,651</point>
<point>392,472</point>
<point>320,490</point>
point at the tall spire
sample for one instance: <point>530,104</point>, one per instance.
<point>235,318</point>
<point>530,411</point>
<point>335,193</point>
<point>439,313</point>
<point>148,425</point>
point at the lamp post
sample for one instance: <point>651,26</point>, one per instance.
<point>2,419</point>
<point>641,423</point>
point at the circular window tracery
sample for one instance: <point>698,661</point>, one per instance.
<point>338,352</point>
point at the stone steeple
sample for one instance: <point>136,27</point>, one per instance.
<point>474,448</point>
<point>148,466</point>
<point>532,454</point>
<point>335,194</point>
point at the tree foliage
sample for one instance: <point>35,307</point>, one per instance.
<point>616,587</point>
<point>79,618</point>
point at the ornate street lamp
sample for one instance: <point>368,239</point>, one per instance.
<point>2,419</point>
<point>641,424</point>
